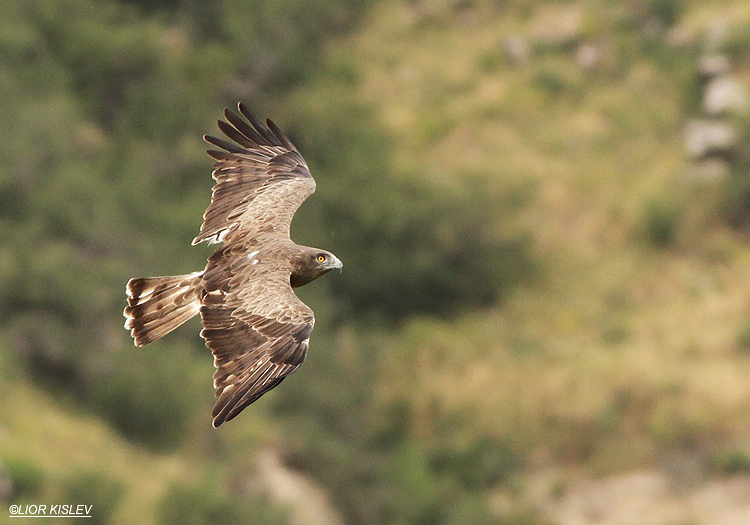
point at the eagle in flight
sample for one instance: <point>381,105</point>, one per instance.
<point>254,324</point>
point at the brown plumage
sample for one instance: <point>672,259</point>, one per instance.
<point>256,327</point>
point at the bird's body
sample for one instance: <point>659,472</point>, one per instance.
<point>256,327</point>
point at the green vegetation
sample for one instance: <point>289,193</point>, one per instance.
<point>532,281</point>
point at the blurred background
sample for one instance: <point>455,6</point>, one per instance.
<point>543,208</point>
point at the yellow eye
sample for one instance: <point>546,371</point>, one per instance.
<point>321,258</point>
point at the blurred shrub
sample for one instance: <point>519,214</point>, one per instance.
<point>556,77</point>
<point>743,337</point>
<point>667,12</point>
<point>192,504</point>
<point>735,43</point>
<point>95,488</point>
<point>615,333</point>
<point>731,461</point>
<point>278,40</point>
<point>661,221</point>
<point>149,396</point>
<point>736,201</point>
<point>480,462</point>
<point>26,477</point>
<point>429,254</point>
<point>736,187</point>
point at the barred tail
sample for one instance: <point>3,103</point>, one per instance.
<point>158,305</point>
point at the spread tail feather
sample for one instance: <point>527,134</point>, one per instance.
<point>158,305</point>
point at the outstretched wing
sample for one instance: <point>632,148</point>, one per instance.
<point>261,180</point>
<point>256,327</point>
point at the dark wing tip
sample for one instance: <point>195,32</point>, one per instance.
<point>226,409</point>
<point>236,135</point>
<point>244,109</point>
<point>269,138</point>
<point>248,135</point>
<point>223,144</point>
<point>243,127</point>
<point>280,135</point>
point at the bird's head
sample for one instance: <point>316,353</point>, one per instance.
<point>311,263</point>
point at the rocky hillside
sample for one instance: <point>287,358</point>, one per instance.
<point>543,210</point>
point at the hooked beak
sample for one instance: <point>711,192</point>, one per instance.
<point>336,263</point>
